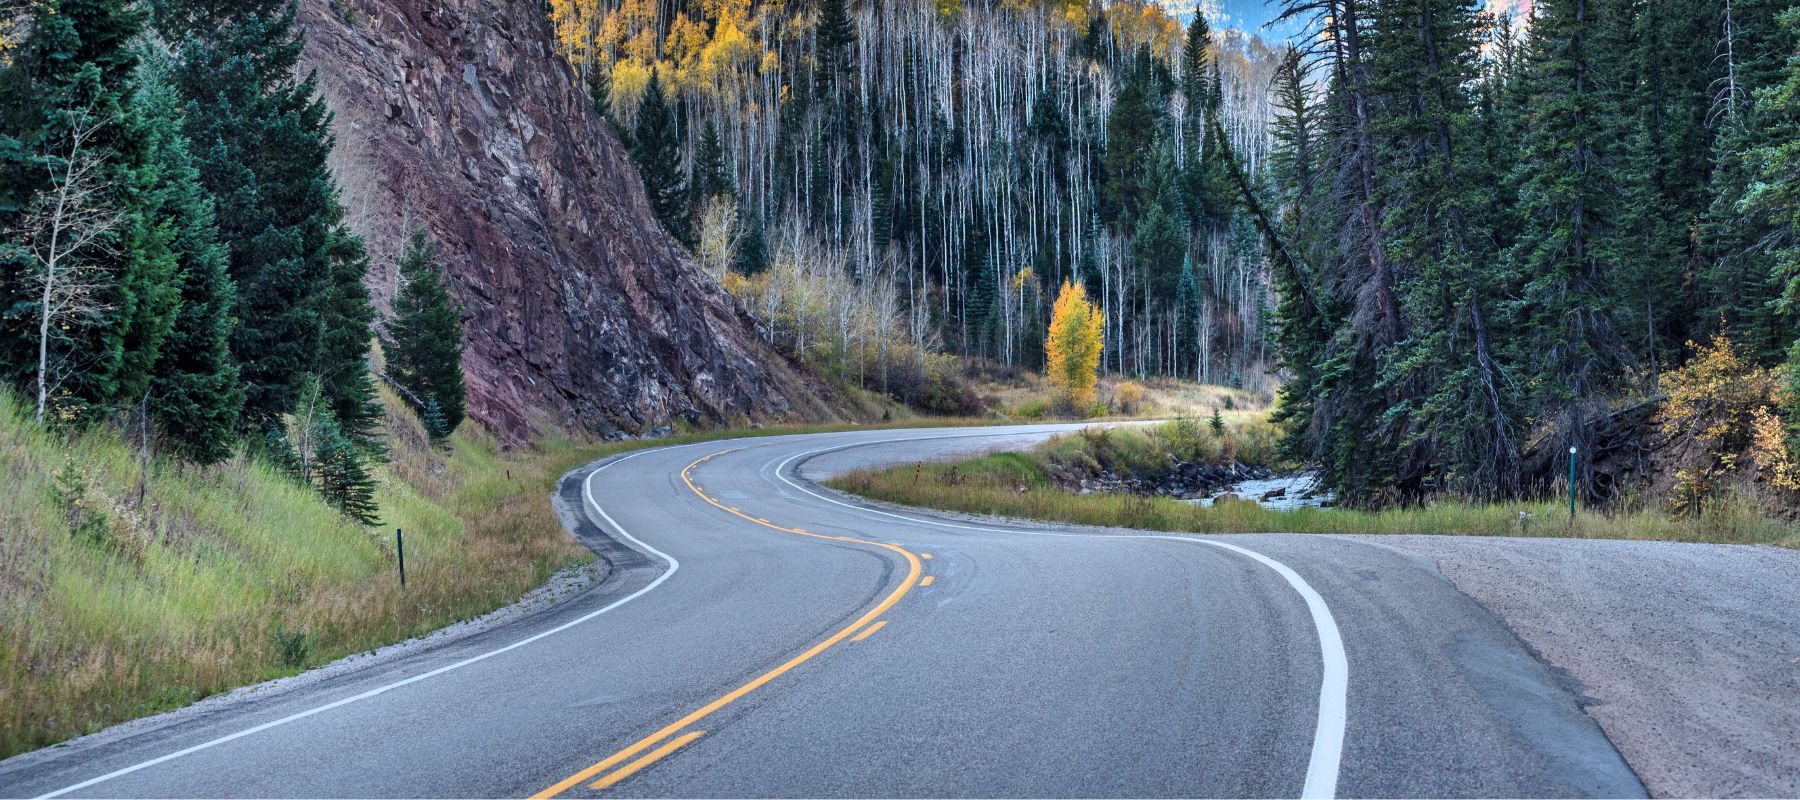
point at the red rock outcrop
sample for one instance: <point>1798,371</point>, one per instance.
<point>579,310</point>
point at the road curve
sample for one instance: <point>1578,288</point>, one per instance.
<point>758,635</point>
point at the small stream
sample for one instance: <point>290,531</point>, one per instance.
<point>1279,493</point>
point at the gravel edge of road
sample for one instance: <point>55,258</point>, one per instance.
<point>1697,710</point>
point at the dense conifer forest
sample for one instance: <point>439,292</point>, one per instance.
<point>1461,241</point>
<point>175,256</point>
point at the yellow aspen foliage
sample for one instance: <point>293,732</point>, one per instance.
<point>628,81</point>
<point>1072,348</point>
<point>736,11</point>
<point>686,40</point>
<point>1715,396</point>
<point>577,25</point>
<point>1769,448</point>
<point>1138,23</point>
<point>729,55</point>
<point>1729,408</point>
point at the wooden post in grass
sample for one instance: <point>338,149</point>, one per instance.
<point>917,468</point>
<point>400,549</point>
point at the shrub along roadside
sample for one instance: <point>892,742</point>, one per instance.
<point>1020,485</point>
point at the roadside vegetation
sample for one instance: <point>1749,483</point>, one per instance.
<point>113,605</point>
<point>1024,485</point>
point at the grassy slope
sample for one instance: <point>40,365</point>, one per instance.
<point>1019,485</point>
<point>188,594</point>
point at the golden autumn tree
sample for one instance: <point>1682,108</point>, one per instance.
<point>1072,348</point>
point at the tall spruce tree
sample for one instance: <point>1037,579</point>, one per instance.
<point>260,139</point>
<point>1663,71</point>
<point>712,176</point>
<point>343,365</point>
<point>1454,424</point>
<point>1296,174</point>
<point>1130,144</point>
<point>1352,295</point>
<point>1190,305</point>
<point>599,88</point>
<point>1575,355</point>
<point>832,40</point>
<point>1775,204</point>
<point>1737,288</point>
<point>424,346</point>
<point>657,151</point>
<point>195,395</point>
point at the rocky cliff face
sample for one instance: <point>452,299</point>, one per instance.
<point>458,116</point>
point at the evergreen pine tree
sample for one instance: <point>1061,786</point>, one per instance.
<point>343,358</point>
<point>1130,144</point>
<point>599,88</point>
<point>832,39</point>
<point>983,304</point>
<point>1158,244</point>
<point>1190,306</point>
<point>1737,277</point>
<point>1574,355</point>
<point>1452,421</point>
<point>425,338</point>
<point>260,139</point>
<point>432,419</point>
<point>712,176</point>
<point>340,476</point>
<point>657,152</point>
<point>274,448</point>
<point>1301,332</point>
<point>330,462</point>
<point>1196,81</point>
<point>1776,202</point>
<point>1665,67</point>
<point>195,395</point>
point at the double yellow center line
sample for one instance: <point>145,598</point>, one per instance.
<point>660,743</point>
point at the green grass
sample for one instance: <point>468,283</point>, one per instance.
<point>230,574</point>
<point>1020,485</point>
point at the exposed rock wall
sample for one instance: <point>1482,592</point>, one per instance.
<point>458,116</point>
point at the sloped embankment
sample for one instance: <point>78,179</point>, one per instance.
<point>112,608</point>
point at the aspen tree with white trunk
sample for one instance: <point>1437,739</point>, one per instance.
<point>58,234</point>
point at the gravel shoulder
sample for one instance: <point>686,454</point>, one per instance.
<point>1689,653</point>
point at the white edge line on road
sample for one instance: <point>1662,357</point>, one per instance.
<point>1334,681</point>
<point>587,493</point>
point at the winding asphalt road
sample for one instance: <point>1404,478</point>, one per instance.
<point>757,635</point>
